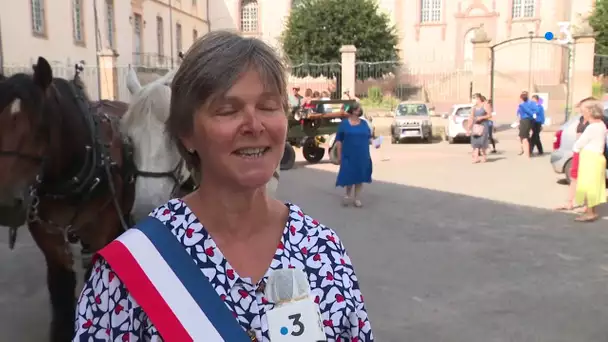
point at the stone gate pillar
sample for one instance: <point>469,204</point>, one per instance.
<point>581,85</point>
<point>349,57</point>
<point>481,62</point>
<point>108,78</point>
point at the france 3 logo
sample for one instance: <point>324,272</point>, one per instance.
<point>564,35</point>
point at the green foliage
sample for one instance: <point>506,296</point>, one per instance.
<point>599,22</point>
<point>317,29</point>
<point>598,90</point>
<point>374,94</point>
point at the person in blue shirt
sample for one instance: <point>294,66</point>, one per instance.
<point>526,113</point>
<point>537,126</point>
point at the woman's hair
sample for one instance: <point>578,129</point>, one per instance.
<point>316,94</point>
<point>524,96</point>
<point>308,92</point>
<point>351,109</point>
<point>480,97</point>
<point>595,108</point>
<point>490,102</point>
<point>212,65</point>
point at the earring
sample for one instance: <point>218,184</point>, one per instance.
<point>191,150</point>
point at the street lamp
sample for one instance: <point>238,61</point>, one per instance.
<point>567,40</point>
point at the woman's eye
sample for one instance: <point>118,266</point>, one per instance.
<point>272,106</point>
<point>227,110</point>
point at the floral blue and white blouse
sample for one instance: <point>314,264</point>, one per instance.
<point>107,312</point>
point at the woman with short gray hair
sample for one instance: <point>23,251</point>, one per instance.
<point>196,270</point>
<point>591,183</point>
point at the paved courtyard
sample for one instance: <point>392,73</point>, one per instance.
<point>445,250</point>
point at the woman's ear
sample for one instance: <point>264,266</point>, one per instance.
<point>188,143</point>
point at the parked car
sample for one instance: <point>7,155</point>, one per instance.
<point>458,120</point>
<point>412,120</point>
<point>456,127</point>
<point>563,142</point>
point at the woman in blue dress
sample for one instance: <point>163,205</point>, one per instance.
<point>352,142</point>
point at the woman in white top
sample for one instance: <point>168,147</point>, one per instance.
<point>591,185</point>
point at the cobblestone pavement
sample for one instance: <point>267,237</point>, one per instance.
<point>445,250</point>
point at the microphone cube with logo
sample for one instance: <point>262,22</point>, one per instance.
<point>295,316</point>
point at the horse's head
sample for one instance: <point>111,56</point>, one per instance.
<point>25,102</point>
<point>161,169</point>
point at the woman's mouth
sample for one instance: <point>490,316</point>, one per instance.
<point>252,152</point>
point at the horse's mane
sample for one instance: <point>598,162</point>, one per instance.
<point>149,106</point>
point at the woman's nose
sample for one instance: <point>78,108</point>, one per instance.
<point>252,120</point>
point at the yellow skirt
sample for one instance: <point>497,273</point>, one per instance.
<point>591,182</point>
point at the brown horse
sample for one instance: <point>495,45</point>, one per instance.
<point>66,162</point>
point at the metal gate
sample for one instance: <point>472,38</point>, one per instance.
<point>531,63</point>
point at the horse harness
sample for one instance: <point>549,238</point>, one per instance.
<point>96,170</point>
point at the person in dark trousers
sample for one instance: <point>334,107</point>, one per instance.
<point>525,113</point>
<point>537,126</point>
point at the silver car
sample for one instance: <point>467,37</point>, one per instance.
<point>411,120</point>
<point>563,142</point>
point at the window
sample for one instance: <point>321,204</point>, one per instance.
<point>38,24</point>
<point>178,37</point>
<point>249,16</point>
<point>77,21</point>
<point>430,11</point>
<point>110,29</point>
<point>160,38</point>
<point>523,9</point>
<point>137,39</point>
<point>194,35</point>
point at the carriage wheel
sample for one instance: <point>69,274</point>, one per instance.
<point>313,154</point>
<point>289,157</point>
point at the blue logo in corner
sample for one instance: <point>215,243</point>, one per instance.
<point>284,331</point>
<point>549,36</point>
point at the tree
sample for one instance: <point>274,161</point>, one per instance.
<point>317,29</point>
<point>599,22</point>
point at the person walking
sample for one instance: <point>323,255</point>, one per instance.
<point>525,112</point>
<point>352,143</point>
<point>591,184</point>
<point>537,126</point>
<point>570,204</point>
<point>479,128</point>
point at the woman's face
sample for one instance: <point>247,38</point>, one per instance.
<point>476,100</point>
<point>240,137</point>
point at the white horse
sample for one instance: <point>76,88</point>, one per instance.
<point>161,170</point>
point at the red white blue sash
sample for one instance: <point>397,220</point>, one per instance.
<point>165,281</point>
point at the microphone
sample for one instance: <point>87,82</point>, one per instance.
<point>295,316</point>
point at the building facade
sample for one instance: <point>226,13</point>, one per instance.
<point>146,33</point>
<point>435,42</point>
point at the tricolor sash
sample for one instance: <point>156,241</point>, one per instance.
<point>171,289</point>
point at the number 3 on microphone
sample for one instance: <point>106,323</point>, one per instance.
<point>297,321</point>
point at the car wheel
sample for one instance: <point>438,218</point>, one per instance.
<point>394,140</point>
<point>567,170</point>
<point>450,140</point>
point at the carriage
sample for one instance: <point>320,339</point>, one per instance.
<point>311,129</point>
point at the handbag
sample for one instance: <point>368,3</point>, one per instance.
<point>168,285</point>
<point>478,130</point>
